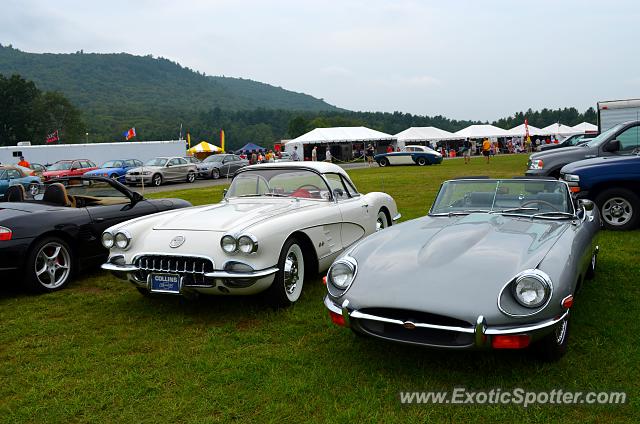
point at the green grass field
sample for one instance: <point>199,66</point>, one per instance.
<point>99,352</point>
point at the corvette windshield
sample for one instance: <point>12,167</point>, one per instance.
<point>60,166</point>
<point>299,183</point>
<point>544,198</point>
<point>157,162</point>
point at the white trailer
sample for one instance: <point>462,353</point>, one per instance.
<point>614,112</point>
<point>96,152</point>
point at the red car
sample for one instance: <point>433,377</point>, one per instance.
<point>65,168</point>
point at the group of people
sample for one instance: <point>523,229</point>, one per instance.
<point>488,148</point>
<point>314,154</point>
<point>260,156</point>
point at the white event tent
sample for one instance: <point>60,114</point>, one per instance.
<point>422,135</point>
<point>520,131</point>
<point>585,127</point>
<point>481,131</point>
<point>342,137</point>
<point>558,129</point>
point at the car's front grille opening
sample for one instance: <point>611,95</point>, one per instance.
<point>190,268</point>
<point>426,336</point>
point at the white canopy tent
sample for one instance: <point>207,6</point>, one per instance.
<point>585,127</point>
<point>481,131</point>
<point>558,129</point>
<point>520,131</point>
<point>423,134</point>
<point>339,135</point>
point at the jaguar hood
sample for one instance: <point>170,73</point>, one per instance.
<point>435,264</point>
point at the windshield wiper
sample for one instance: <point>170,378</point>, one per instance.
<point>553,215</point>
<point>456,213</point>
<point>515,210</point>
<point>276,195</point>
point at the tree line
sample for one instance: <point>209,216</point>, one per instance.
<point>26,113</point>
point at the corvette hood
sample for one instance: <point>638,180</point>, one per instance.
<point>229,216</point>
<point>437,264</point>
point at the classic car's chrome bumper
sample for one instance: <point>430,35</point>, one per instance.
<point>397,217</point>
<point>480,331</point>
<point>214,282</point>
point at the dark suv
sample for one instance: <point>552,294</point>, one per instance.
<point>623,139</point>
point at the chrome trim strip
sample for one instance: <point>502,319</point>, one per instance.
<point>534,327</point>
<point>397,217</point>
<point>234,275</point>
<point>360,315</point>
<point>120,268</point>
<point>480,331</point>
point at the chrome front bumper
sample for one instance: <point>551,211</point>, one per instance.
<point>481,331</point>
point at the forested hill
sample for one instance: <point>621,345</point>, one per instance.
<point>102,82</point>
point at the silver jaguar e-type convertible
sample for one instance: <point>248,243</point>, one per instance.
<point>495,264</point>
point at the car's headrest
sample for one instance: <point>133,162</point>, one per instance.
<point>56,194</point>
<point>15,193</point>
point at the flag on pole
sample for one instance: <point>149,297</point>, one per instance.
<point>129,134</point>
<point>222,140</point>
<point>188,139</point>
<point>53,137</point>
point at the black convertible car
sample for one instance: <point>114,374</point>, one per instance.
<point>47,238</point>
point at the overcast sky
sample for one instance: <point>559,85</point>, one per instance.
<point>462,59</point>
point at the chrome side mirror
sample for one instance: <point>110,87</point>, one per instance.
<point>587,204</point>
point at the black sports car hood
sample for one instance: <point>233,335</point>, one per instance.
<point>436,264</point>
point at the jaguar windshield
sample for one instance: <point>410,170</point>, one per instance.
<point>543,198</point>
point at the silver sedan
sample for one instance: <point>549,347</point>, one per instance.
<point>160,170</point>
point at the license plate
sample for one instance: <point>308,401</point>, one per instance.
<point>165,283</point>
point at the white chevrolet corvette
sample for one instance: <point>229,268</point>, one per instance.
<point>277,225</point>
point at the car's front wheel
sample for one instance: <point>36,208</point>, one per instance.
<point>289,280</point>
<point>619,208</point>
<point>554,345</point>
<point>215,173</point>
<point>49,265</point>
<point>381,221</point>
<point>157,180</point>
<point>114,176</point>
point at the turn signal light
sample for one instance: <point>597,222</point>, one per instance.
<point>567,302</point>
<point>516,341</point>
<point>337,319</point>
<point>324,280</point>
<point>574,189</point>
<point>5,234</point>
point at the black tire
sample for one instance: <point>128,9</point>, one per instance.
<point>383,162</point>
<point>280,294</point>
<point>44,273</point>
<point>215,173</point>
<point>421,161</point>
<point>553,346</point>
<point>156,180</point>
<point>619,209</point>
<point>191,177</point>
<point>114,177</point>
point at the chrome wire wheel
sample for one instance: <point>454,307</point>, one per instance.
<point>52,265</point>
<point>617,211</point>
<point>293,273</point>
<point>381,221</point>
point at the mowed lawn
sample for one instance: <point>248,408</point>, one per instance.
<point>100,352</point>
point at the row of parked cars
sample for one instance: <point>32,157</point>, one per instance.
<point>605,169</point>
<point>491,265</point>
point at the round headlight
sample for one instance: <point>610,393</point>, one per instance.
<point>531,291</point>
<point>107,240</point>
<point>246,244</point>
<point>122,240</point>
<point>341,275</point>
<point>229,244</point>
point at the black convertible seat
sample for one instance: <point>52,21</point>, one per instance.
<point>56,194</point>
<point>15,193</point>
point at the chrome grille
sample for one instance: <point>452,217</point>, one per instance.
<point>191,268</point>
